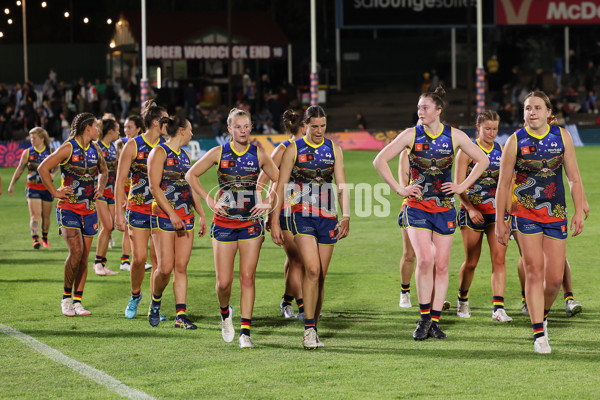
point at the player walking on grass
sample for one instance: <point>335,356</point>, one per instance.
<point>133,164</point>
<point>293,269</point>
<point>83,178</point>
<point>237,223</point>
<point>106,204</point>
<point>535,155</point>
<point>407,262</point>
<point>478,216</point>
<point>429,215</point>
<point>172,217</point>
<point>312,163</point>
<point>39,200</point>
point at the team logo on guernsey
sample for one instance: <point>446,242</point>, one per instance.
<point>170,161</point>
<point>528,149</point>
<point>305,157</point>
<point>421,146</point>
<point>105,154</point>
<point>76,157</point>
<point>227,164</point>
<point>31,157</point>
<point>142,155</point>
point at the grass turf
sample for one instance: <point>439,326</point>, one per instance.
<point>369,349</point>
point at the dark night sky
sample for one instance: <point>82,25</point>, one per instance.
<point>48,25</point>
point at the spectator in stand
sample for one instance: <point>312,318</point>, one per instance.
<point>110,97</point>
<point>538,80</point>
<point>191,100</point>
<point>558,72</point>
<point>361,122</point>
<point>65,127</point>
<point>125,96</point>
<point>589,77</point>
<point>589,104</point>
<point>276,110</point>
<point>7,121</point>
<point>93,99</point>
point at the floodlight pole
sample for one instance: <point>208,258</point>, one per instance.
<point>144,89</point>
<point>314,77</point>
<point>25,67</point>
<point>480,73</point>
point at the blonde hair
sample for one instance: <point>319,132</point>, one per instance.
<point>236,112</point>
<point>41,132</point>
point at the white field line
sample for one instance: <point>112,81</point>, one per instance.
<point>94,374</point>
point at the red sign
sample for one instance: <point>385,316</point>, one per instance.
<point>538,12</point>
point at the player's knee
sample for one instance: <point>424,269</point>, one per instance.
<point>247,280</point>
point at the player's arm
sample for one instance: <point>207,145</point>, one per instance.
<point>343,193</point>
<point>507,169</point>
<point>198,169</point>
<point>402,141</point>
<point>575,185</point>
<point>464,143</point>
<point>52,161</point>
<point>285,172</point>
<point>20,168</point>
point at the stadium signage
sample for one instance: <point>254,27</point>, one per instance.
<point>521,12</point>
<point>214,52</point>
<point>411,13</point>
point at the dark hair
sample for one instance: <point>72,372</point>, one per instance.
<point>151,112</point>
<point>541,95</point>
<point>173,124</point>
<point>487,115</point>
<point>80,122</point>
<point>437,96</point>
<point>314,112</point>
<point>292,121</point>
<point>137,120</point>
<point>108,125</point>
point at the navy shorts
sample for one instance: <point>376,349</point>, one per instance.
<point>44,195</point>
<point>442,223</point>
<point>465,221</point>
<point>88,224</point>
<point>321,228</point>
<point>285,222</point>
<point>164,224</point>
<point>224,234</point>
<point>138,220</point>
<point>555,230</point>
<point>107,200</point>
<point>401,219</point>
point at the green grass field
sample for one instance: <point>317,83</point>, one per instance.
<point>369,349</point>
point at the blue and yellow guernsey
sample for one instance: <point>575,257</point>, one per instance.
<point>431,158</point>
<point>483,192</point>
<point>80,171</point>
<point>140,197</point>
<point>109,152</point>
<point>312,178</point>
<point>174,186</point>
<point>538,191</point>
<point>34,159</point>
<point>238,175</point>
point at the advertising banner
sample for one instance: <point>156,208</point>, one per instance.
<point>411,13</point>
<point>538,12</point>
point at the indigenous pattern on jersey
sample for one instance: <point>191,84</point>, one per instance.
<point>140,197</point>
<point>173,184</point>
<point>34,159</point>
<point>287,199</point>
<point>238,174</point>
<point>539,190</point>
<point>80,171</point>
<point>312,178</point>
<point>110,156</point>
<point>483,192</point>
<point>431,159</point>
<point>128,179</point>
